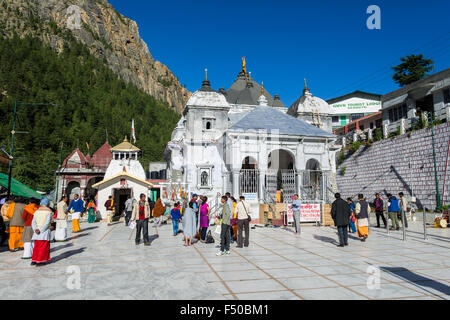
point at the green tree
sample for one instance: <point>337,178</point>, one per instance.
<point>412,68</point>
<point>89,98</point>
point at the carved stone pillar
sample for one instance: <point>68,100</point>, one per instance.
<point>236,190</point>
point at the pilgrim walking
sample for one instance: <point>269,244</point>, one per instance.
<point>340,212</point>
<point>28,214</point>
<point>42,233</point>
<point>141,214</point>
<point>190,225</point>
<point>362,210</point>
<point>61,220</point>
<point>77,208</point>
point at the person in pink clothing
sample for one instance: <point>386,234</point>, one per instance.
<point>204,218</point>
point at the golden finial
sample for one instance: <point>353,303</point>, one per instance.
<point>250,75</point>
<point>243,66</point>
<point>306,87</point>
<point>206,74</point>
<point>262,88</point>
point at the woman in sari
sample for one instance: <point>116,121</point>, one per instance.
<point>190,227</point>
<point>158,211</point>
<point>41,235</point>
<point>351,226</point>
<point>362,210</point>
<point>205,211</point>
<point>92,209</point>
<point>233,221</point>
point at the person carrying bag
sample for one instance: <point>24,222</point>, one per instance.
<point>243,222</point>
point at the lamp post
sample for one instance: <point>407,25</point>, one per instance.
<point>13,133</point>
<point>438,195</point>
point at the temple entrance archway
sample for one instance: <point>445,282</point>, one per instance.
<point>280,175</point>
<point>248,176</point>
<point>313,181</point>
<point>73,187</point>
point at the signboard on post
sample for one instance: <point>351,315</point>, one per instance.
<point>309,212</point>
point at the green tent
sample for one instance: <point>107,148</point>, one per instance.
<point>18,189</point>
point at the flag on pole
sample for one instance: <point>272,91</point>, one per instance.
<point>132,131</point>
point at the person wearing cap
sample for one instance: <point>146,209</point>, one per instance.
<point>42,233</point>
<point>141,214</point>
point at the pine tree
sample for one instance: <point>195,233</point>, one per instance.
<point>412,69</point>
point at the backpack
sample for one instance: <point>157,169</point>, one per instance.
<point>209,237</point>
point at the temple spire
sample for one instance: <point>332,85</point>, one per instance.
<point>206,85</point>
<point>306,89</point>
<point>262,88</point>
<point>244,68</point>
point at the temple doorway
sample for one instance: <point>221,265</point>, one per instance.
<point>120,197</point>
<point>281,175</point>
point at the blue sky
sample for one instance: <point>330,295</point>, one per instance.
<point>326,42</point>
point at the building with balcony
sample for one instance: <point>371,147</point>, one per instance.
<point>404,108</point>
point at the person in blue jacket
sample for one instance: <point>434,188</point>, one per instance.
<point>176,218</point>
<point>77,208</point>
<point>393,209</point>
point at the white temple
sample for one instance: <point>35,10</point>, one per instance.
<point>242,141</point>
<point>124,177</point>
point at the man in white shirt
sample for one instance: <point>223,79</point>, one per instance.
<point>243,215</point>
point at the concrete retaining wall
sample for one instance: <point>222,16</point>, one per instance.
<point>383,167</point>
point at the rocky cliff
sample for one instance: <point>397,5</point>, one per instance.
<point>109,36</point>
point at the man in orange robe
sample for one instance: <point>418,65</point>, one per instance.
<point>16,224</point>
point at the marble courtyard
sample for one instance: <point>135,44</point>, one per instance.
<point>277,265</point>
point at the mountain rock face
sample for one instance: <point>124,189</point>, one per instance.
<point>109,36</point>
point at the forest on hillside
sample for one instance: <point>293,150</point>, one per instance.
<point>90,102</point>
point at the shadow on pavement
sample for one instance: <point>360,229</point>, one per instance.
<point>89,228</point>
<point>153,238</point>
<point>76,236</point>
<point>61,247</point>
<point>326,239</point>
<point>67,254</point>
<point>418,280</point>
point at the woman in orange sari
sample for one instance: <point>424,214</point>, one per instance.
<point>362,210</point>
<point>158,211</point>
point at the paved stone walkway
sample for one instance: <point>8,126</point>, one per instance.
<point>277,265</point>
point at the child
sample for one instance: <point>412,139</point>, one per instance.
<point>176,218</point>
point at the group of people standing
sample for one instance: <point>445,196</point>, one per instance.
<point>233,219</point>
<point>31,222</point>
<point>351,217</point>
<point>30,226</point>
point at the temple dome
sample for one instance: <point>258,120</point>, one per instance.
<point>308,103</point>
<point>207,97</point>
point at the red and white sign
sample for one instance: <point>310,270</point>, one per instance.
<point>309,212</point>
